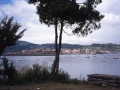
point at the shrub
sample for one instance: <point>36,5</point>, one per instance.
<point>27,75</point>
<point>8,71</point>
<point>38,74</point>
<point>62,76</point>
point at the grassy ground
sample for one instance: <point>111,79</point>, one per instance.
<point>55,86</point>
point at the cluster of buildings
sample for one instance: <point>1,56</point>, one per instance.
<point>48,51</point>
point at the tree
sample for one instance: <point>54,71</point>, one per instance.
<point>81,18</point>
<point>8,30</point>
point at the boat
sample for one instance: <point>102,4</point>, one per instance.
<point>115,58</point>
<point>94,56</point>
<point>88,56</point>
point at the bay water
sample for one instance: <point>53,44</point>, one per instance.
<point>77,66</point>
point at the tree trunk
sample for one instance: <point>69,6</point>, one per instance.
<point>56,49</point>
<point>59,49</point>
<point>55,67</point>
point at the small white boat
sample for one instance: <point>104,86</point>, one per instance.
<point>88,56</point>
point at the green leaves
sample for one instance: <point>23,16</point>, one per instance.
<point>8,30</point>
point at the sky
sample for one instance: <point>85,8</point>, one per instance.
<point>38,33</point>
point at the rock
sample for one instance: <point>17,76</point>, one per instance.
<point>104,80</point>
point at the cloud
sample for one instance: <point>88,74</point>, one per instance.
<point>39,33</point>
<point>25,14</point>
<point>111,18</point>
<point>1,15</point>
<point>18,8</point>
<point>109,6</point>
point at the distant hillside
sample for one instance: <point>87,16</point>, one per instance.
<point>23,45</point>
<point>69,46</point>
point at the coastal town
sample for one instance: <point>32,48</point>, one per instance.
<point>48,51</point>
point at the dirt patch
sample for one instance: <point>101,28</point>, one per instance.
<point>56,86</point>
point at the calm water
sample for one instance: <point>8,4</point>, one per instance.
<point>78,66</point>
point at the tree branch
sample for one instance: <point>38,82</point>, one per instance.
<point>68,34</point>
<point>80,3</point>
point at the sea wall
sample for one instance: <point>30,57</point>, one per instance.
<point>104,80</point>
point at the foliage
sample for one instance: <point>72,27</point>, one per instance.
<point>62,76</point>
<point>77,82</point>
<point>40,74</point>
<point>8,30</point>
<point>84,16</point>
<point>8,71</point>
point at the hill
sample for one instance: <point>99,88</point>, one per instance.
<point>23,45</point>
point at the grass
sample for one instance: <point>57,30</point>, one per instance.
<point>55,86</point>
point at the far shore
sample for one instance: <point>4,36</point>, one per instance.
<point>37,54</point>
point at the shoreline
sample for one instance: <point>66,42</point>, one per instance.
<point>33,54</point>
<point>28,55</point>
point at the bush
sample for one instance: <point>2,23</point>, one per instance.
<point>36,74</point>
<point>77,82</point>
<point>27,75</point>
<point>39,74</point>
<point>62,76</point>
<point>8,71</point>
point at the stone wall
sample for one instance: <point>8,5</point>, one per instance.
<point>104,80</point>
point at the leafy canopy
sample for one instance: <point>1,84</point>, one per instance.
<point>81,17</point>
<point>8,33</point>
<point>8,30</point>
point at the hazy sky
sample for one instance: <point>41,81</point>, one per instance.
<point>25,14</point>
